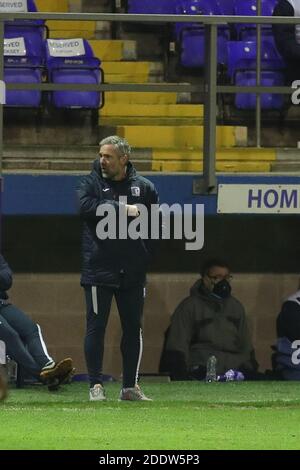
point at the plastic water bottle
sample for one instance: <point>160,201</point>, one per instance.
<point>11,369</point>
<point>211,369</point>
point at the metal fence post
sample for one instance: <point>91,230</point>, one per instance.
<point>258,78</point>
<point>208,184</point>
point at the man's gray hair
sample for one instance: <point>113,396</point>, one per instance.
<point>121,144</point>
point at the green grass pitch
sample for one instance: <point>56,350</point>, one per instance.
<point>183,415</point>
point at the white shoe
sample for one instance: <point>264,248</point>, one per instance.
<point>97,393</point>
<point>133,394</point>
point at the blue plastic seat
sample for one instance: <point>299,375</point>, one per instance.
<point>22,64</point>
<point>242,71</point>
<point>247,31</point>
<point>269,101</point>
<point>151,6</point>
<point>191,35</point>
<point>226,6</point>
<point>35,29</point>
<point>81,68</point>
<point>242,55</point>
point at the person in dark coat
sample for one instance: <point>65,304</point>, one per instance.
<point>24,340</point>
<point>114,263</point>
<point>286,360</point>
<point>210,322</point>
<point>287,38</point>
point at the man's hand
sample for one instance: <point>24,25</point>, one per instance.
<point>132,210</point>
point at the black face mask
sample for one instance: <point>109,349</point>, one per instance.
<point>222,289</point>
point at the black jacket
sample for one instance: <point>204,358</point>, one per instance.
<point>288,320</point>
<point>5,278</point>
<point>120,261</point>
<point>285,38</point>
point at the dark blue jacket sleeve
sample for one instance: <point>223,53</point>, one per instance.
<point>89,200</point>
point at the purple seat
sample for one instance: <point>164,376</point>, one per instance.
<point>268,100</point>
<point>191,35</point>
<point>226,7</point>
<point>151,6</point>
<point>33,29</point>
<point>247,31</point>
<point>242,71</point>
<point>73,64</point>
<point>242,55</point>
<point>22,64</point>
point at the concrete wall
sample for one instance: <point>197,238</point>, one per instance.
<point>56,302</point>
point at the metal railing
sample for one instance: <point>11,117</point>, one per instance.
<point>207,183</point>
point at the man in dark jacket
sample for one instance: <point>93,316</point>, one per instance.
<point>24,341</point>
<point>114,263</point>
<point>210,322</point>
<point>287,38</point>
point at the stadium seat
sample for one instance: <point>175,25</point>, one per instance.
<point>242,72</point>
<point>35,29</point>
<point>191,35</point>
<point>151,6</point>
<point>268,100</point>
<point>73,61</point>
<point>247,32</point>
<point>242,55</point>
<point>226,6</point>
<point>22,64</point>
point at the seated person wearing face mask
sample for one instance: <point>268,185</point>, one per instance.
<point>208,322</point>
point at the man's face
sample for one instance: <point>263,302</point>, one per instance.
<point>113,165</point>
<point>215,275</point>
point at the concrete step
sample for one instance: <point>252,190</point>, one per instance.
<point>61,165</point>
<point>50,152</point>
<point>223,167</point>
<point>57,6</point>
<point>288,154</point>
<point>71,29</point>
<point>285,167</point>
<point>75,6</point>
<point>141,165</point>
<point>149,45</point>
<point>26,164</point>
<point>147,121</point>
<point>185,137</point>
<point>140,97</point>
<point>132,72</point>
<point>70,158</point>
<point>95,6</point>
<point>243,155</point>
<point>114,49</point>
<point>177,111</point>
<point>103,30</point>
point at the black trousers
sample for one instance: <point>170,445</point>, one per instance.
<point>130,303</point>
<point>23,339</point>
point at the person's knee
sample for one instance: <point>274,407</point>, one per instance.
<point>9,335</point>
<point>33,329</point>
